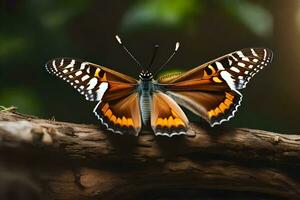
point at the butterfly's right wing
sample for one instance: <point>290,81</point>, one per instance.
<point>91,80</point>
<point>118,108</point>
<point>121,115</point>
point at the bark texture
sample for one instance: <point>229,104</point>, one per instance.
<point>46,159</point>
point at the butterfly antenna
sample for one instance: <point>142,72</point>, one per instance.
<point>170,58</point>
<point>153,56</point>
<point>127,51</point>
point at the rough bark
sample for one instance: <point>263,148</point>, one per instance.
<point>46,159</point>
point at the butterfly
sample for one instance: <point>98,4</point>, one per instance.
<point>125,104</point>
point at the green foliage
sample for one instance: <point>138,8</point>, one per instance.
<point>257,18</point>
<point>162,13</point>
<point>53,15</point>
<point>12,45</point>
<point>23,98</point>
<point>7,109</point>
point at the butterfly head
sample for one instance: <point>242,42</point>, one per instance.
<point>146,75</point>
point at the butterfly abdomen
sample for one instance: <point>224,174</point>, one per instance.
<point>145,104</point>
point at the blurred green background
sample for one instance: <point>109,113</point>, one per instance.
<point>34,31</point>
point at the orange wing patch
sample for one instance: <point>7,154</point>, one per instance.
<point>99,73</point>
<point>121,115</point>
<point>222,107</point>
<point>216,79</point>
<point>214,107</point>
<point>170,122</point>
<point>167,118</point>
<point>121,121</point>
<point>212,73</point>
<point>209,72</point>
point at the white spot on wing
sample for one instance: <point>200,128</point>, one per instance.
<point>254,53</point>
<point>235,69</point>
<point>85,77</point>
<point>245,59</point>
<point>234,58</point>
<point>102,89</point>
<point>219,66</point>
<point>78,73</point>
<point>92,83</point>
<point>71,64</point>
<point>240,53</point>
<point>265,54</point>
<point>54,65</point>
<point>241,64</point>
<point>227,77</point>
<point>82,66</point>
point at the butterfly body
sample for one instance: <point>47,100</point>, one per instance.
<point>145,90</point>
<point>211,91</point>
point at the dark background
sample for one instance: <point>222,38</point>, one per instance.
<point>34,31</point>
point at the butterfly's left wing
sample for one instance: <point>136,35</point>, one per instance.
<point>211,90</point>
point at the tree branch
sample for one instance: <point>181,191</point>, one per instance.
<point>78,161</point>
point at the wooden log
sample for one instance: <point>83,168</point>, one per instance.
<point>62,160</point>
